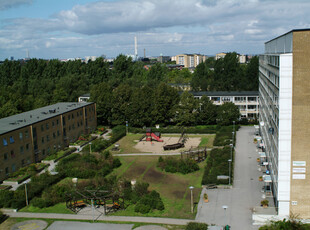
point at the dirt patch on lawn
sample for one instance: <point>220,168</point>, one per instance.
<point>157,147</point>
<point>154,176</point>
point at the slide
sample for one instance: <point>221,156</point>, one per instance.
<point>156,137</point>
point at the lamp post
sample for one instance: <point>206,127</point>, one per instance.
<point>229,162</point>
<point>74,181</point>
<point>126,127</point>
<point>90,147</point>
<point>26,194</point>
<point>192,200</point>
<point>225,207</point>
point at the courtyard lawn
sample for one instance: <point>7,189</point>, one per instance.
<point>58,208</point>
<point>127,144</point>
<point>173,188</point>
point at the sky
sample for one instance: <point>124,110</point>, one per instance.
<point>77,28</point>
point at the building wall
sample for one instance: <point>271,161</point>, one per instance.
<point>44,137</point>
<point>17,154</point>
<point>248,105</point>
<point>190,60</point>
<point>301,122</point>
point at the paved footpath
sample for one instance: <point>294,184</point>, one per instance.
<point>101,218</point>
<point>246,191</point>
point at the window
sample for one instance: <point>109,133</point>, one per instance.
<point>81,112</point>
<point>64,121</point>
<point>11,139</point>
<point>20,135</point>
<point>69,117</point>
<point>48,150</point>
<point>43,152</point>
<point>6,171</point>
<point>42,140</point>
<point>13,168</point>
<point>5,156</point>
<point>58,133</point>
<point>47,138</point>
<point>28,160</point>
<point>69,127</point>
<point>46,126</point>
<point>27,147</point>
<point>57,122</point>
<point>21,149</point>
<point>54,135</point>
<point>72,116</point>
<point>73,126</point>
<point>23,162</point>
<point>12,154</point>
<point>26,134</point>
<point>53,123</point>
<point>42,128</point>
<point>5,143</point>
<point>77,114</point>
<point>78,124</point>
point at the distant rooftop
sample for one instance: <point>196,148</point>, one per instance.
<point>21,120</point>
<point>85,95</point>
<point>225,93</point>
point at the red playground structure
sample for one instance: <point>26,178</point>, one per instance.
<point>152,136</point>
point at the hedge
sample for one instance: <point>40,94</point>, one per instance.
<point>196,226</point>
<point>217,164</point>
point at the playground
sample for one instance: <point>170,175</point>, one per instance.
<point>134,143</point>
<point>158,147</point>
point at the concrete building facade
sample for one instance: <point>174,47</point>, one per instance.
<point>190,60</point>
<point>29,137</point>
<point>247,101</point>
<point>284,91</point>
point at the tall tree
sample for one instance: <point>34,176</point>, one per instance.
<point>207,111</point>
<point>187,110</point>
<point>227,113</point>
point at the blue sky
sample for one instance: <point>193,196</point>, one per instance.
<point>79,28</point>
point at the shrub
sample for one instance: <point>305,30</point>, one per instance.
<point>142,208</point>
<point>196,226</point>
<point>40,202</point>
<point>173,165</point>
<point>6,198</point>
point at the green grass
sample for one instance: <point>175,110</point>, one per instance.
<point>173,188</point>
<point>127,144</point>
<point>58,208</point>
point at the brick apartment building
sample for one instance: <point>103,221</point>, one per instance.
<point>30,136</point>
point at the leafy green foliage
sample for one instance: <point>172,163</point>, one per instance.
<point>196,226</point>
<point>286,224</point>
<point>87,166</point>
<point>217,164</point>
<point>173,165</point>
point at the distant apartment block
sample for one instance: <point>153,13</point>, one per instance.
<point>84,97</point>
<point>190,60</point>
<point>247,101</point>
<point>30,136</point>
<point>284,92</point>
<point>241,57</point>
<point>163,59</point>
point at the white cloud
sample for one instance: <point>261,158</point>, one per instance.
<point>6,4</point>
<point>195,25</point>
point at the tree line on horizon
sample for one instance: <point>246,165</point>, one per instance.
<point>123,91</point>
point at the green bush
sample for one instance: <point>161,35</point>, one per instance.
<point>196,226</point>
<point>173,165</point>
<point>117,133</point>
<point>40,202</point>
<point>142,208</point>
<point>217,164</point>
<point>6,198</point>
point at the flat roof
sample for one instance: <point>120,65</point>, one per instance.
<point>295,30</point>
<point>225,93</point>
<point>21,120</point>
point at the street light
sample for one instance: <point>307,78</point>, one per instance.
<point>74,181</point>
<point>192,200</point>
<point>26,194</point>
<point>229,162</point>
<point>225,207</point>
<point>90,147</point>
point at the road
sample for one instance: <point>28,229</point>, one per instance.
<point>246,191</point>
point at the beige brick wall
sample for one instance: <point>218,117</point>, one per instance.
<point>300,189</point>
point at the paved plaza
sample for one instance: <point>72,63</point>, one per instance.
<point>72,225</point>
<point>246,191</point>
